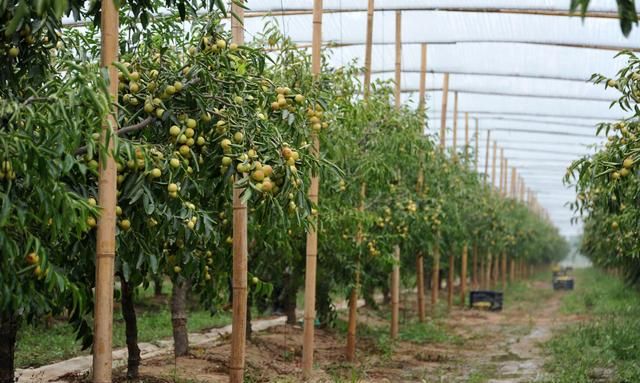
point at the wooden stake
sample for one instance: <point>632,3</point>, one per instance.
<point>503,272</point>
<point>350,352</point>
<point>107,197</point>
<point>455,126</point>
<point>395,275</point>
<point>420,283</point>
<point>463,275</point>
<point>239,327</point>
<point>486,159</point>
<point>487,278</point>
<point>395,292</point>
<point>493,164</point>
<point>398,59</point>
<point>482,275</point>
<point>450,280</point>
<point>423,79</point>
<point>496,270</point>
<point>477,144</point>
<point>502,172</point>
<point>353,298</point>
<point>422,108</point>
<point>435,275</point>
<point>512,272</point>
<point>513,182</point>
<point>312,234</point>
<point>443,115</point>
<point>474,268</point>
<point>368,50</point>
<point>466,138</point>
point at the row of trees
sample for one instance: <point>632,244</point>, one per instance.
<point>607,182</point>
<point>196,112</point>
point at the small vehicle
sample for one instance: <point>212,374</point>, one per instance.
<point>485,300</point>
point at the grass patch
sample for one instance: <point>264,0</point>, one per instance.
<point>39,345</point>
<point>607,346</point>
<point>428,332</point>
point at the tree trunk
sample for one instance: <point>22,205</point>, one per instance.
<point>290,298</point>
<point>8,332</point>
<point>131,329</point>
<point>157,286</point>
<point>179,318</point>
<point>248,325</point>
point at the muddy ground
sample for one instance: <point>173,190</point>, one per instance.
<point>457,345</point>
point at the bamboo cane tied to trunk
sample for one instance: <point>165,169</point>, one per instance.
<point>312,235</point>
<point>107,198</point>
<point>240,251</point>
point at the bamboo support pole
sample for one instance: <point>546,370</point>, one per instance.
<point>240,256</point>
<point>450,279</point>
<point>513,182</point>
<point>488,264</point>
<point>435,275</point>
<point>481,279</point>
<point>493,164</point>
<point>503,170</point>
<point>395,274</point>
<point>312,234</point>
<point>466,138</point>
<point>443,115</point>
<point>395,292</point>
<point>455,127</point>
<point>463,275</point>
<point>353,298</point>
<point>107,197</point>
<point>477,136</point>
<point>503,272</point>
<point>398,59</point>
<point>368,50</point>
<point>496,270</point>
<point>512,271</point>
<point>423,79</point>
<point>420,283</point>
<point>486,158</point>
<point>474,267</point>
<point>350,351</point>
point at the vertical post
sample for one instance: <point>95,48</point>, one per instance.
<point>463,275</point>
<point>512,271</point>
<point>368,50</point>
<point>420,283</point>
<point>488,279</point>
<point>504,176</point>
<point>503,272</point>
<point>474,267</point>
<point>312,235</point>
<point>423,79</point>
<point>443,113</point>
<point>451,277</point>
<point>435,275</point>
<point>455,127</point>
<point>513,182</point>
<point>398,58</point>
<point>466,138</point>
<point>239,277</point>
<point>421,107</point>
<point>106,233</point>
<point>395,292</point>
<point>477,144</point>
<point>493,164</point>
<point>502,171</point>
<point>482,281</point>
<point>395,274</point>
<point>486,158</point>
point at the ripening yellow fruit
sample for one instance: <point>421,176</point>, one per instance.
<point>174,163</point>
<point>155,173</point>
<point>125,224</point>
<point>172,187</point>
<point>221,44</point>
<point>238,137</point>
<point>191,123</point>
<point>627,163</point>
<point>174,130</point>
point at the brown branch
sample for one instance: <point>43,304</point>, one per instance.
<point>121,132</point>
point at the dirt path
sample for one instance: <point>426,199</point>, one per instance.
<point>461,346</point>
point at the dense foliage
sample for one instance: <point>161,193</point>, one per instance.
<point>197,117</point>
<point>607,181</point>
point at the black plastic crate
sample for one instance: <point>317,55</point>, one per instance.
<point>486,299</point>
<point>563,284</point>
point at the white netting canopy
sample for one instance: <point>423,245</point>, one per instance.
<point>520,68</point>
